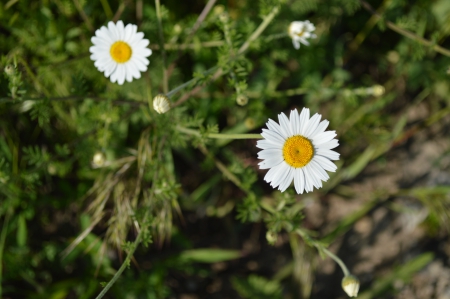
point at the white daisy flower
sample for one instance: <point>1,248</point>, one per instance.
<point>297,149</point>
<point>300,31</point>
<point>120,52</point>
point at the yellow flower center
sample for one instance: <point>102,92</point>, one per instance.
<point>297,151</point>
<point>300,34</point>
<point>120,52</point>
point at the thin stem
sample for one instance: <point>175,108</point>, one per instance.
<point>2,246</point>
<point>180,87</point>
<point>337,260</point>
<point>161,41</point>
<point>219,135</point>
<point>259,30</point>
<point>120,10</point>
<point>83,15</point>
<point>107,9</point>
<point>320,248</point>
<point>124,265</point>
<point>407,33</point>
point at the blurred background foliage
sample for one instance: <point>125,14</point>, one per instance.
<point>87,166</point>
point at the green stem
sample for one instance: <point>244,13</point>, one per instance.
<point>161,41</point>
<point>124,265</point>
<point>337,260</point>
<point>180,87</point>
<point>2,246</point>
<point>259,30</point>
<point>320,248</point>
<point>407,33</point>
<point>219,135</point>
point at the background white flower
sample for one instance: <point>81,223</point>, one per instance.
<point>297,149</point>
<point>300,31</point>
<point>120,52</point>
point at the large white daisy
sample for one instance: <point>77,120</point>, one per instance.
<point>297,149</point>
<point>120,52</point>
<point>300,31</point>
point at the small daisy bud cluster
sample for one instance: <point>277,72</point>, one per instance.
<point>98,160</point>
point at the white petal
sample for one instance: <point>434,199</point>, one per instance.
<point>308,180</point>
<point>113,31</point>
<point>304,118</point>
<point>269,163</point>
<point>264,144</point>
<point>313,176</point>
<point>287,180</point>
<point>281,175</point>
<point>332,155</point>
<point>128,32</point>
<point>330,144</point>
<point>128,72</point>
<point>299,181</point>
<point>296,44</point>
<point>273,137</point>
<point>312,125</point>
<point>325,163</point>
<point>274,173</point>
<point>120,30</point>
<point>321,127</point>
<point>294,120</point>
<point>274,126</point>
<point>121,73</point>
<point>323,137</point>
<point>284,125</point>
<point>319,171</point>
<point>270,153</point>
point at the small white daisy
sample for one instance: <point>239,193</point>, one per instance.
<point>297,149</point>
<point>120,52</point>
<point>300,31</point>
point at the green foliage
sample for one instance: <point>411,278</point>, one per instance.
<point>89,171</point>
<point>257,287</point>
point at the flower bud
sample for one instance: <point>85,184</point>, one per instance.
<point>161,104</point>
<point>242,100</point>
<point>377,90</point>
<point>9,70</point>
<point>271,237</point>
<point>98,160</point>
<point>350,284</point>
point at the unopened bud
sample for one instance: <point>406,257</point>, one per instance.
<point>218,9</point>
<point>98,160</point>
<point>242,100</point>
<point>161,104</point>
<point>271,237</point>
<point>249,123</point>
<point>9,70</point>
<point>377,90</point>
<point>350,284</point>
<point>223,17</point>
<point>177,29</point>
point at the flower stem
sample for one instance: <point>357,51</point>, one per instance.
<point>407,33</point>
<point>218,135</point>
<point>163,52</point>
<point>322,248</point>
<point>259,30</point>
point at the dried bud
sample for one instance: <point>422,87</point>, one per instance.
<point>161,104</point>
<point>98,160</point>
<point>350,284</point>
<point>242,100</point>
